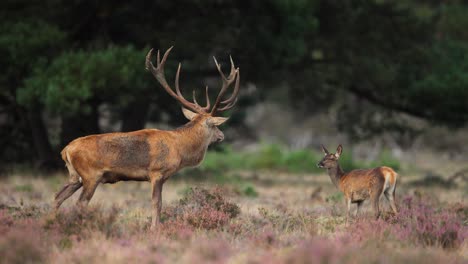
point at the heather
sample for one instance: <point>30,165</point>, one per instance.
<point>293,218</point>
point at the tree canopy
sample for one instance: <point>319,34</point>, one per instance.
<point>67,60</point>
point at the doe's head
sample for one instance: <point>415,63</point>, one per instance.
<point>330,160</point>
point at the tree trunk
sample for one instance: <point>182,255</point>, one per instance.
<point>47,159</point>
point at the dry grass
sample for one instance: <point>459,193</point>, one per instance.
<point>285,223</point>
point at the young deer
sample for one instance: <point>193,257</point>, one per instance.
<point>360,185</point>
<point>150,154</point>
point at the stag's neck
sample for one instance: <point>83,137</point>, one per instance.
<point>335,174</point>
<point>193,141</point>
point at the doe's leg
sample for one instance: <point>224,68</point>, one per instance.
<point>348,205</point>
<point>359,205</point>
<point>391,199</point>
<point>375,205</point>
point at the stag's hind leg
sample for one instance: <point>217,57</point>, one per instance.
<point>89,187</point>
<point>67,191</point>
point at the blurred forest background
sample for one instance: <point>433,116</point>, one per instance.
<point>386,74</point>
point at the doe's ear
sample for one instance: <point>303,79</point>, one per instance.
<point>189,114</point>
<point>339,149</point>
<point>325,151</point>
<point>216,121</point>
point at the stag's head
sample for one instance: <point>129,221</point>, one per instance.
<point>330,160</point>
<point>204,116</point>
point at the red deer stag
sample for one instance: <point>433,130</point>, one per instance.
<point>360,185</point>
<point>150,154</point>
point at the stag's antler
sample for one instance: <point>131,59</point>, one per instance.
<point>158,73</point>
<point>233,75</point>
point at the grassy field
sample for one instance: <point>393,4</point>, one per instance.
<point>259,215</point>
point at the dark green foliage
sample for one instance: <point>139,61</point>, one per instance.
<point>397,56</point>
<point>113,75</point>
<point>444,82</point>
<point>249,190</point>
<point>267,157</point>
<point>24,45</point>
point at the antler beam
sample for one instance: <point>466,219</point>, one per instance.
<point>234,75</point>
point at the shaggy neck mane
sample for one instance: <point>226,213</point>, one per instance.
<point>193,141</point>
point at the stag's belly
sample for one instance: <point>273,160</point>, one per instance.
<point>113,177</point>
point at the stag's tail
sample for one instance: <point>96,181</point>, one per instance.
<point>74,176</point>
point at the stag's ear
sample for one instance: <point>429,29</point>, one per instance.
<point>325,151</point>
<point>339,149</point>
<point>216,121</point>
<point>189,114</point>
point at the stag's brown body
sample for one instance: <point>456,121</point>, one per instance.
<point>362,184</point>
<point>146,155</point>
<point>136,155</point>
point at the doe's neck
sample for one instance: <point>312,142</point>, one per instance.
<point>335,174</point>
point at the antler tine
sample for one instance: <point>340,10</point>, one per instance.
<point>163,61</point>
<point>208,103</point>
<point>233,99</point>
<point>158,73</point>
<point>236,89</point>
<point>177,81</point>
<point>207,107</point>
<point>219,68</point>
<point>229,106</point>
<point>194,97</point>
<point>148,64</point>
<point>158,60</point>
<point>233,69</point>
<point>226,83</point>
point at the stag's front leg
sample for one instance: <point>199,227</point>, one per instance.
<point>157,184</point>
